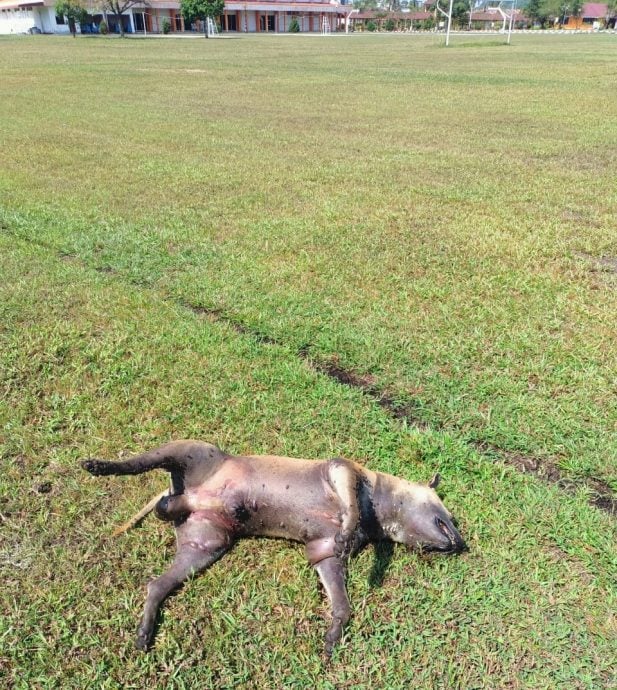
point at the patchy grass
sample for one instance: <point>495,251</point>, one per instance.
<point>435,224</point>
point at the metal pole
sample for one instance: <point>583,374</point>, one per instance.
<point>449,24</point>
<point>511,20</point>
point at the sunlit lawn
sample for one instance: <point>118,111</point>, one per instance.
<point>439,222</point>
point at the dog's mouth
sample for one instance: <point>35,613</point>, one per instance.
<point>455,543</point>
<point>452,543</point>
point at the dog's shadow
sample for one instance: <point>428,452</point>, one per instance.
<point>383,551</point>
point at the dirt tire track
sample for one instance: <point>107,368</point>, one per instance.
<point>545,470</point>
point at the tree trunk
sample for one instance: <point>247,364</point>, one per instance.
<point>206,27</point>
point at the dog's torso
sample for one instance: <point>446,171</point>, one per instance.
<point>273,496</point>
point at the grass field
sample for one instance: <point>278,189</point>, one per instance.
<point>208,239</point>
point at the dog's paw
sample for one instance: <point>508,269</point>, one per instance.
<point>142,641</point>
<point>97,467</point>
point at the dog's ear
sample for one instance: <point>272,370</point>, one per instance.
<point>434,483</point>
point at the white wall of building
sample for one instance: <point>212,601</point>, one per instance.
<point>250,22</point>
<point>19,21</point>
<point>16,21</point>
<point>47,21</point>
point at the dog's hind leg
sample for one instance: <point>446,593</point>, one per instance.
<point>189,463</point>
<point>200,544</point>
<point>332,575</point>
<point>177,455</point>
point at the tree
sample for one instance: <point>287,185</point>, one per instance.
<point>119,7</point>
<point>363,5</point>
<point>536,11</point>
<point>611,11</point>
<point>460,9</point>
<point>201,9</point>
<point>562,9</point>
<point>74,11</point>
<point>573,8</point>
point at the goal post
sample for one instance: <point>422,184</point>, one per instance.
<point>507,17</point>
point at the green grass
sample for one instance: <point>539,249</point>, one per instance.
<point>424,217</point>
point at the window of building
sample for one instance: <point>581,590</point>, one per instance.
<point>266,22</point>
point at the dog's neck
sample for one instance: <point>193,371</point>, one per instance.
<point>381,506</point>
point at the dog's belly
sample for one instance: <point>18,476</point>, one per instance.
<point>259,497</point>
<point>294,503</point>
<point>291,520</point>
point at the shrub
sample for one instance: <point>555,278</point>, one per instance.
<point>294,26</point>
<point>103,28</point>
<point>166,26</point>
<point>389,25</point>
<point>371,26</point>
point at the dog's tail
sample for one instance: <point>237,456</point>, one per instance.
<point>148,508</point>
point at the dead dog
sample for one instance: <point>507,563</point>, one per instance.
<point>333,507</point>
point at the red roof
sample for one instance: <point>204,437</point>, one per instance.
<point>594,10</point>
<point>496,17</point>
<point>486,17</point>
<point>382,14</point>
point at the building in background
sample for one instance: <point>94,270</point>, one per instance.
<point>252,16</point>
<point>593,15</point>
<point>30,17</point>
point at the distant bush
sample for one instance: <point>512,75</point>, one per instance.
<point>166,26</point>
<point>389,25</point>
<point>294,26</point>
<point>103,28</point>
<point>371,26</point>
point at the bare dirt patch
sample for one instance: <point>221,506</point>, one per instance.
<point>605,264</point>
<point>367,383</point>
<point>547,470</point>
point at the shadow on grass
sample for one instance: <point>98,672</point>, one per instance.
<point>383,557</point>
<point>482,44</point>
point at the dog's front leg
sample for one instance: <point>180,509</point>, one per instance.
<point>343,479</point>
<point>332,575</point>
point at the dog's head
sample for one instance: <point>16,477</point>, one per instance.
<point>423,522</point>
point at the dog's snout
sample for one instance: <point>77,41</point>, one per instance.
<point>456,541</point>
